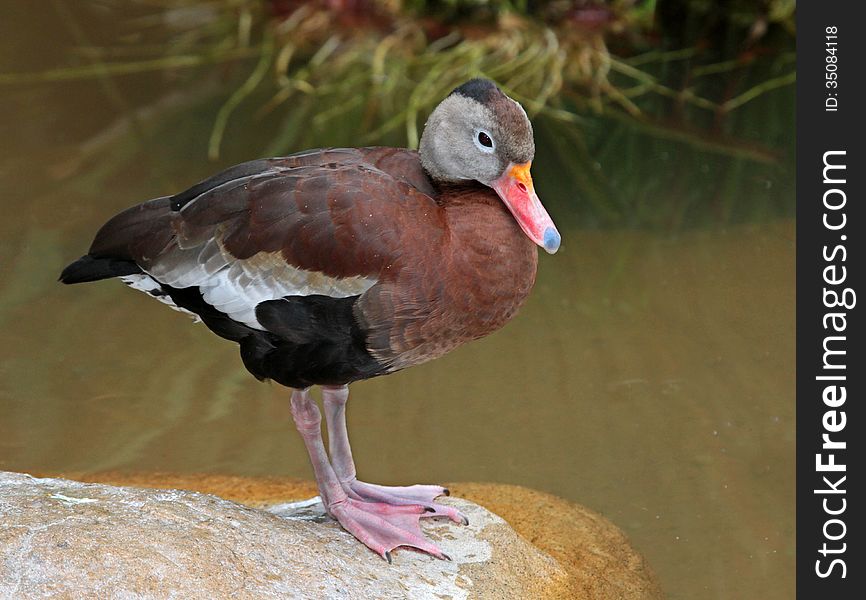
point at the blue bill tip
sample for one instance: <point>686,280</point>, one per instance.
<point>551,240</point>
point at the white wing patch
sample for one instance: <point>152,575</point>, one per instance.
<point>235,287</point>
<point>145,283</point>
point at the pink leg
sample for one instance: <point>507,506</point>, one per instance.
<point>334,400</point>
<point>378,525</point>
<point>308,421</point>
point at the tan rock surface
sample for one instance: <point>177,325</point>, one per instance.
<point>61,538</point>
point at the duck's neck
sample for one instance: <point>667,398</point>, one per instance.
<point>478,219</point>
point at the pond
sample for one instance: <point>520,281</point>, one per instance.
<point>649,377</point>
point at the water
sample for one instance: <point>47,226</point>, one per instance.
<point>649,377</point>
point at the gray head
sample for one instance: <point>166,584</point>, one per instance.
<point>479,134</point>
<point>474,134</point>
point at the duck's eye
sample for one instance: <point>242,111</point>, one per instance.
<point>483,141</point>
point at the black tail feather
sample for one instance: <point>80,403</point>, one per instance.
<point>89,268</point>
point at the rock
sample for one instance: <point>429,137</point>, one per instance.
<point>597,555</point>
<point>61,538</point>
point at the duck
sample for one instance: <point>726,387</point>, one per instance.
<point>335,265</point>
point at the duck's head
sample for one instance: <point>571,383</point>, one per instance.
<point>478,133</point>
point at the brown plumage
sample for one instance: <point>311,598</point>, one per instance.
<point>468,282</point>
<point>451,264</point>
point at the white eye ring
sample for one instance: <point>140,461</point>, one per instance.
<point>480,135</point>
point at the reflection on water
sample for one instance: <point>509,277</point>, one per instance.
<point>649,377</point>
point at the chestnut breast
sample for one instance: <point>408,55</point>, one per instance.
<point>442,297</point>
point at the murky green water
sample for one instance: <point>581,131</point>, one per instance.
<point>650,376</point>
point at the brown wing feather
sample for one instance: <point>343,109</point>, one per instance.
<point>351,215</point>
<point>335,213</point>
